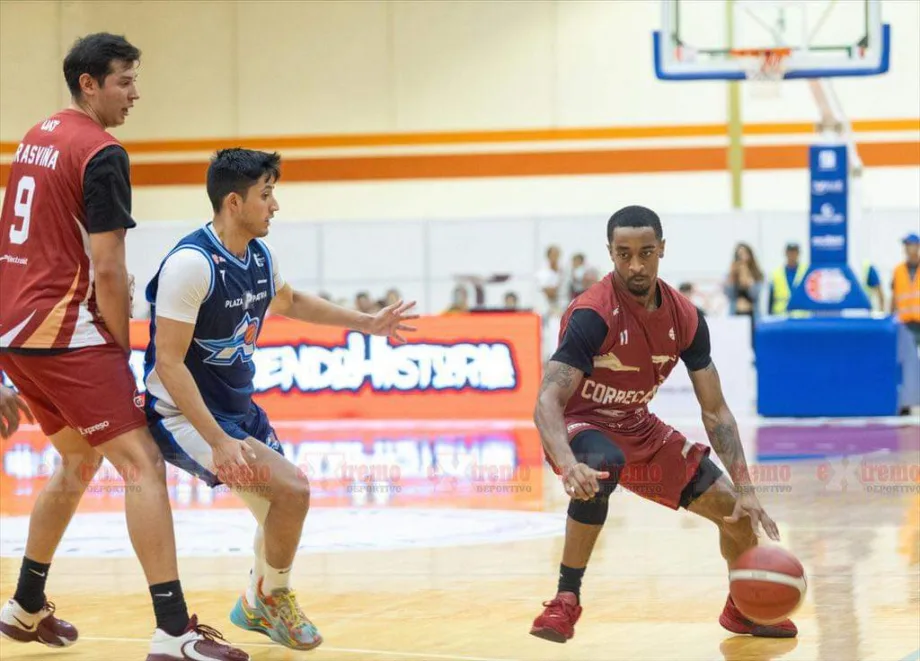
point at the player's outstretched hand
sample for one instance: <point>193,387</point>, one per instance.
<point>11,404</point>
<point>747,505</point>
<point>231,457</point>
<point>390,320</point>
<point>581,481</point>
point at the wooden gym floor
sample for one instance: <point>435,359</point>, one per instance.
<point>457,583</point>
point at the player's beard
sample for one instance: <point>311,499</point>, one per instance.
<point>640,288</point>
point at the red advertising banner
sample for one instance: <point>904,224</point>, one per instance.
<point>443,420</point>
<point>454,367</point>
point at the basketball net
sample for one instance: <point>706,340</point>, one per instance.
<point>764,69</point>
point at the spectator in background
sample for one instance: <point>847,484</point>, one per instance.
<point>872,285</point>
<point>392,296</point>
<point>785,280</point>
<point>744,284</point>
<point>554,287</point>
<point>551,279</point>
<point>363,302</point>
<point>591,277</point>
<point>461,301</point>
<point>511,301</point>
<point>686,288</point>
<point>905,286</point>
<point>576,278</point>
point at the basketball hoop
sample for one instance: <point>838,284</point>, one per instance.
<point>764,66</point>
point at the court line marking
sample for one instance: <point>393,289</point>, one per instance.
<point>346,650</point>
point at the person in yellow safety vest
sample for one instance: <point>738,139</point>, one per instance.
<point>785,280</point>
<point>872,285</point>
<point>905,287</point>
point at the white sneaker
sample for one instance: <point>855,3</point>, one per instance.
<point>198,642</point>
<point>41,627</point>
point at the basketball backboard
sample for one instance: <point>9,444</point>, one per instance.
<point>725,39</point>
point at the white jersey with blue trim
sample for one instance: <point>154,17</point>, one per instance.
<point>227,298</point>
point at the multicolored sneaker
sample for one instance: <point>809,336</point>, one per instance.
<point>41,627</point>
<point>279,617</point>
<point>248,618</point>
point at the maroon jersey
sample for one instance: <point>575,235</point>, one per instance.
<point>634,357</point>
<point>46,271</point>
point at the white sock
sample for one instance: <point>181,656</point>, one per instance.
<point>258,567</point>
<point>275,579</point>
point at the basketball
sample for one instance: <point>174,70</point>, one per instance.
<point>767,584</point>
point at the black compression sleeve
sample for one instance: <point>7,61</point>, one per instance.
<point>698,355</point>
<point>583,339</point>
<point>107,191</point>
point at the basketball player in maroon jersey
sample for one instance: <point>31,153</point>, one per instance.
<point>64,321</point>
<point>619,341</point>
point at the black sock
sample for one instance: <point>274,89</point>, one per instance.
<point>30,591</point>
<point>169,607</point>
<point>570,580</point>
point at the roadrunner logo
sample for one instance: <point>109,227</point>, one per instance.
<point>609,361</point>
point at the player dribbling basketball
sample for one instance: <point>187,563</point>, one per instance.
<point>619,341</point>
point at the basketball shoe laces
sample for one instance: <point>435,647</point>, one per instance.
<point>210,633</point>
<point>558,608</point>
<point>289,610</point>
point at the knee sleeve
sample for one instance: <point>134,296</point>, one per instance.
<point>598,451</point>
<point>590,512</point>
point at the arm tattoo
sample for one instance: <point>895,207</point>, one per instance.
<point>727,444</point>
<point>558,384</point>
<point>723,434</point>
<point>561,375</point>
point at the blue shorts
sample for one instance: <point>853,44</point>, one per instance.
<point>183,446</point>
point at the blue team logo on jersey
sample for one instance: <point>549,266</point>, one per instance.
<point>241,344</point>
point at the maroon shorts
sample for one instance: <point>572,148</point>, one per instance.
<point>660,461</point>
<point>91,390</point>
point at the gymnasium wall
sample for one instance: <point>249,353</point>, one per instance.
<point>399,110</point>
<point>421,258</point>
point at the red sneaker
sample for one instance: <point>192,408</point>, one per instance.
<point>557,622</point>
<point>733,620</point>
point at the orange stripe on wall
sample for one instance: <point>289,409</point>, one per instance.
<point>494,137</point>
<point>525,164</point>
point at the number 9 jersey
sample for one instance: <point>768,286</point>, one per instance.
<point>62,165</point>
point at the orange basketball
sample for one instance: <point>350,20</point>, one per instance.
<point>767,584</point>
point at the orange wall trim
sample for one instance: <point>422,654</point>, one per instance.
<point>490,137</point>
<point>525,164</point>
